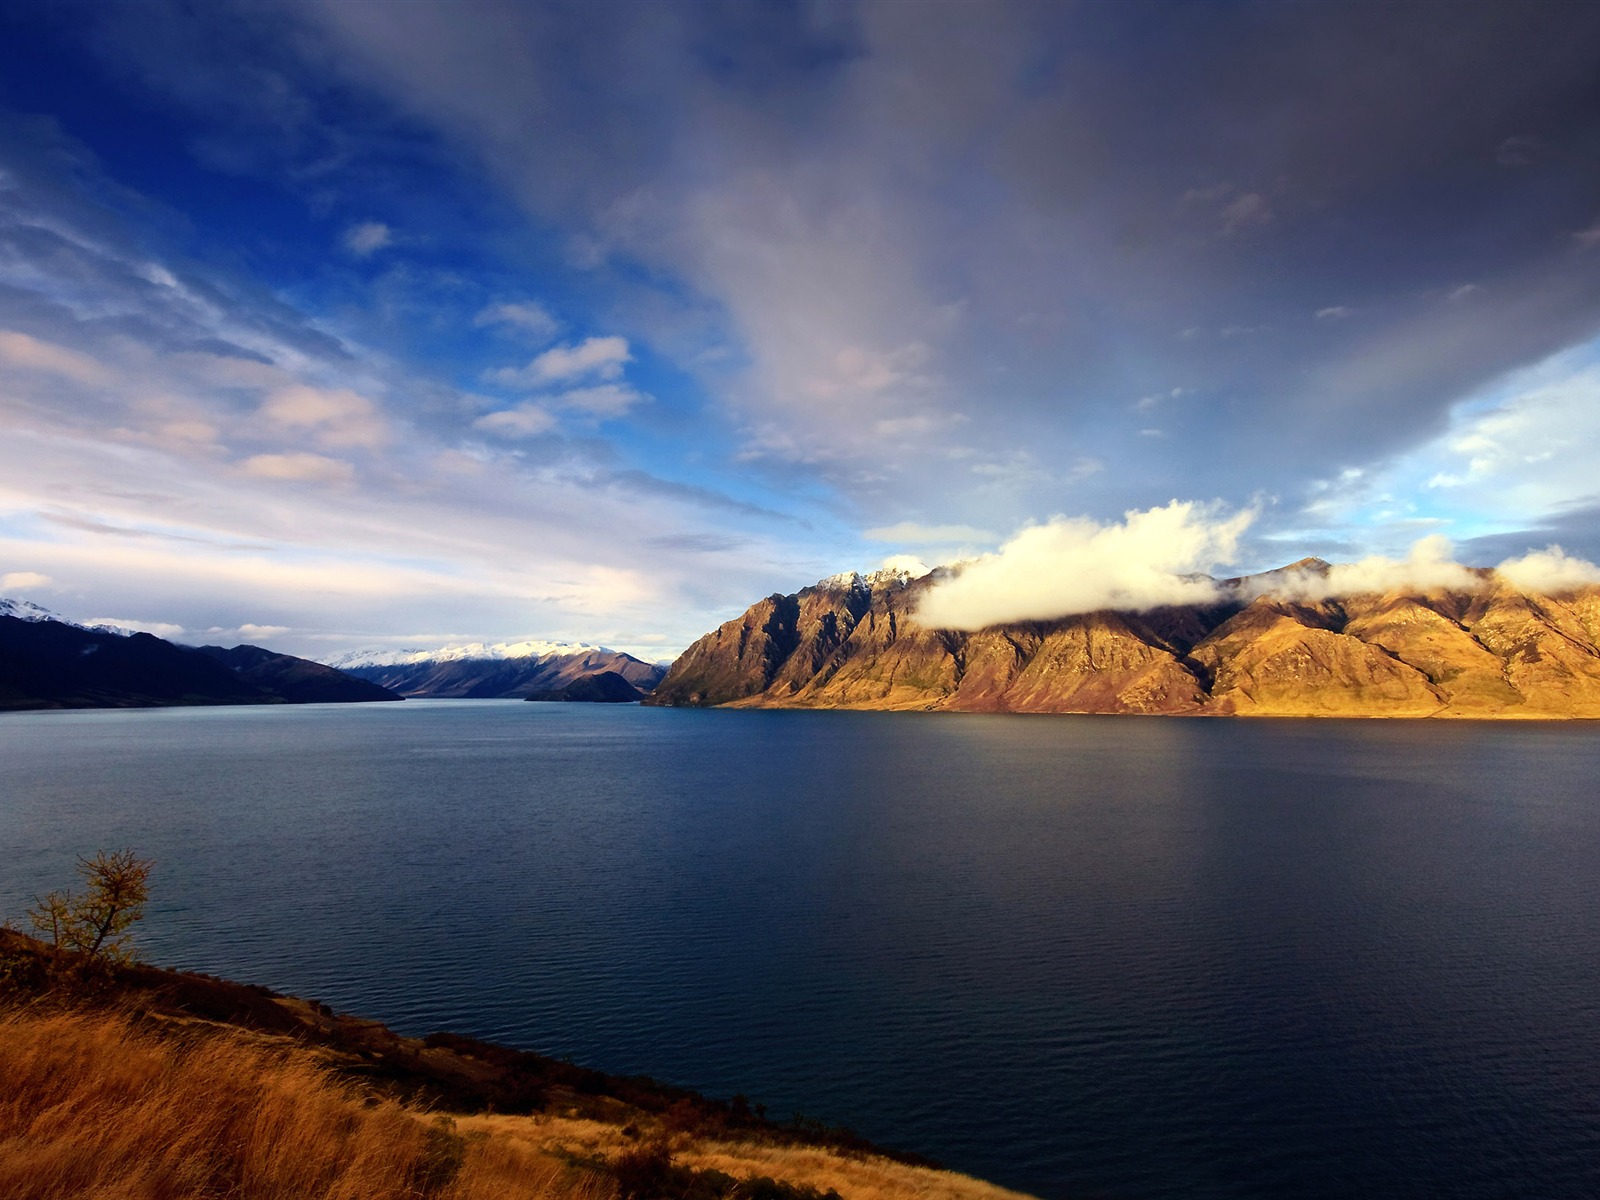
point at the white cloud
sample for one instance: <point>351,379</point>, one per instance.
<point>528,317</point>
<point>524,421</point>
<point>915,533</point>
<point>602,357</point>
<point>1070,566</point>
<point>339,417</point>
<point>22,352</point>
<point>1589,238</point>
<point>21,581</point>
<point>1550,571</point>
<point>1337,312</point>
<point>908,563</point>
<point>1466,290</point>
<point>250,630</point>
<point>299,468</point>
<point>603,400</point>
<point>1430,565</point>
<point>368,238</point>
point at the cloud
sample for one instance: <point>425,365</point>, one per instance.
<point>524,421</point>
<point>1550,571</point>
<point>1589,238</point>
<point>907,564</point>
<point>339,417</point>
<point>1070,566</point>
<point>603,357</point>
<point>263,631</point>
<point>1337,313</point>
<point>1430,565</point>
<point>299,468</point>
<point>1464,291</point>
<point>1244,211</point>
<point>368,238</point>
<point>22,352</point>
<point>527,317</point>
<point>21,581</point>
<point>605,400</point>
<point>913,533</point>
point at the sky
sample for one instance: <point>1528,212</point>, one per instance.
<point>329,325</point>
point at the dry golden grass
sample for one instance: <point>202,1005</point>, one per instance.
<point>99,1106</point>
<point>93,1107</point>
<point>855,1177</point>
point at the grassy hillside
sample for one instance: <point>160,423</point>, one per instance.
<point>158,1085</point>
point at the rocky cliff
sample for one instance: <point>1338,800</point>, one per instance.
<point>853,642</point>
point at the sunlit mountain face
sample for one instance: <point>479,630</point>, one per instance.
<point>341,327</point>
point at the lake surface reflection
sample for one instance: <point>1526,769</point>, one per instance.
<point>1080,956</point>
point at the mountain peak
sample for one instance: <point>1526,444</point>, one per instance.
<point>27,610</point>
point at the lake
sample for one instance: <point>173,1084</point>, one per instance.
<point>1081,956</point>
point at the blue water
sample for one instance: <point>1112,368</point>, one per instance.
<point>1079,956</point>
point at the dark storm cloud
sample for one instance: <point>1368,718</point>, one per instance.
<point>1576,530</point>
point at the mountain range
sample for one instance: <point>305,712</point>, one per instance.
<point>1487,650</point>
<point>531,670</point>
<point>49,662</point>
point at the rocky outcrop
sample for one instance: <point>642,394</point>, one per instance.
<point>853,642</point>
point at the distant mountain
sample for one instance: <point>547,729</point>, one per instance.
<point>297,680</point>
<point>606,687</point>
<point>852,642</point>
<point>47,662</point>
<point>501,671</point>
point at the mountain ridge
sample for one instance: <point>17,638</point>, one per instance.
<point>47,662</point>
<point>545,673</point>
<point>1484,651</point>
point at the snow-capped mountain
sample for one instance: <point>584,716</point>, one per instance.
<point>27,610</point>
<point>498,670</point>
<point>477,651</point>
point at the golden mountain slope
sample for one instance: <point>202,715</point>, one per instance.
<point>1489,652</point>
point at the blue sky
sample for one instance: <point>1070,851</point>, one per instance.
<point>329,325</point>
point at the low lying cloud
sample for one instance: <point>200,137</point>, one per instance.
<point>1430,564</point>
<point>250,630</point>
<point>1551,571</point>
<point>1070,566</point>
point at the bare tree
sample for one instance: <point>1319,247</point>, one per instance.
<point>95,923</point>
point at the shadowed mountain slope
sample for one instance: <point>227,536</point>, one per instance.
<point>515,676</point>
<point>49,663</point>
<point>297,680</point>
